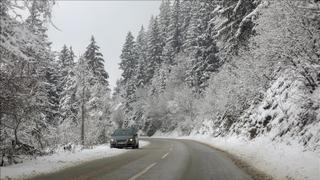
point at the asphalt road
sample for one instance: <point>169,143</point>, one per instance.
<point>162,159</point>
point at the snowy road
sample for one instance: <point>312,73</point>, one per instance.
<point>165,159</point>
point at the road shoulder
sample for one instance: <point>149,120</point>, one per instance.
<point>59,161</point>
<point>253,172</point>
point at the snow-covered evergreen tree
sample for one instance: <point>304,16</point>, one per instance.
<point>174,34</point>
<point>128,57</point>
<point>154,50</point>
<point>186,14</point>
<point>164,19</point>
<point>68,104</point>
<point>85,97</point>
<point>93,95</point>
<point>235,23</point>
<point>96,62</point>
<point>200,46</point>
<point>129,64</point>
<point>141,49</point>
<point>44,100</point>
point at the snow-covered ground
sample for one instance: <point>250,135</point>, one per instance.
<point>60,160</point>
<point>276,159</point>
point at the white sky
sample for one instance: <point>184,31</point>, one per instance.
<point>108,21</point>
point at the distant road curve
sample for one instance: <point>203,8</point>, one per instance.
<point>162,159</point>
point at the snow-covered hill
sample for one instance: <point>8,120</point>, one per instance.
<point>280,135</point>
<point>289,113</point>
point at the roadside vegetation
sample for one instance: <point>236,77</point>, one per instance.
<point>244,68</point>
<point>49,100</point>
<point>229,67</point>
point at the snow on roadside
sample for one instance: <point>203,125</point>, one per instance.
<point>278,160</point>
<point>60,160</point>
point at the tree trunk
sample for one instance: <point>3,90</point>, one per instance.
<point>13,145</point>
<point>82,115</point>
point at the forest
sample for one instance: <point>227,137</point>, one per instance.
<point>217,67</point>
<point>230,67</point>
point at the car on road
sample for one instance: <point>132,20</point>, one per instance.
<point>124,137</point>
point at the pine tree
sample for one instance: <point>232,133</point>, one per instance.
<point>66,57</point>
<point>63,56</point>
<point>93,91</point>
<point>129,64</point>
<point>65,62</point>
<point>154,50</point>
<point>128,57</point>
<point>141,49</point>
<point>235,24</point>
<point>69,107</point>
<point>174,35</point>
<point>200,46</point>
<point>96,62</point>
<point>164,20</point>
<point>46,97</point>
<point>186,14</point>
<point>159,80</point>
<point>193,31</point>
<point>67,86</point>
<point>84,80</point>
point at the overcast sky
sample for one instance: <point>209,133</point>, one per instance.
<point>108,21</point>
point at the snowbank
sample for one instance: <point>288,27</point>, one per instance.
<point>276,159</point>
<point>60,160</point>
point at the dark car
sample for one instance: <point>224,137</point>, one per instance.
<point>124,138</point>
